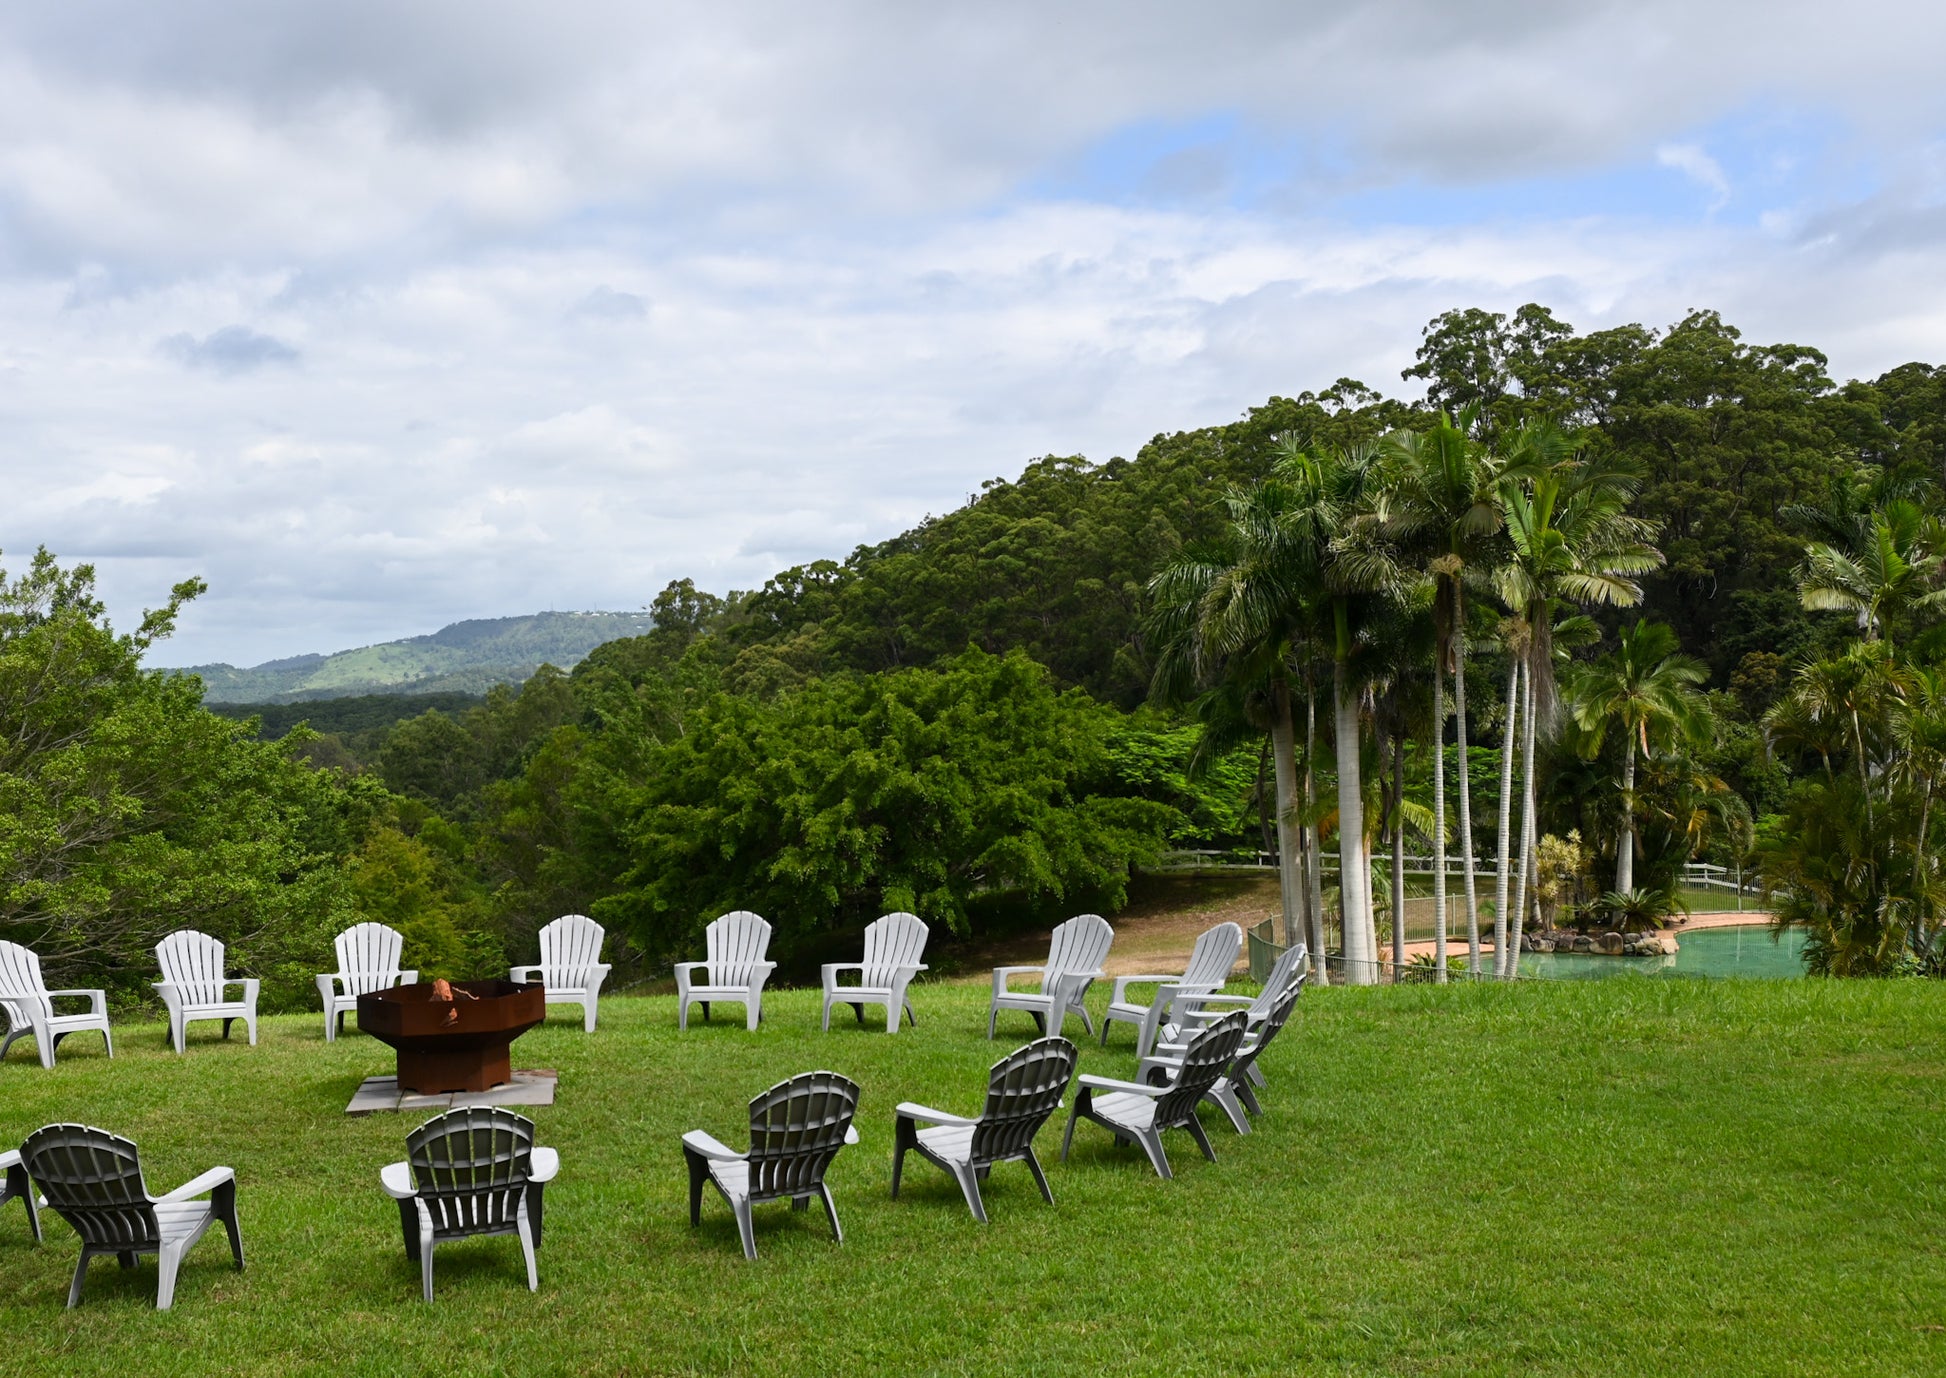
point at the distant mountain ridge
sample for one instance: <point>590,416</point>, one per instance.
<point>466,657</point>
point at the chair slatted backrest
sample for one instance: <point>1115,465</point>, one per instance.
<point>737,941</point>
<point>193,962</point>
<point>1024,1088</point>
<point>891,942</point>
<point>21,983</point>
<point>1079,945</point>
<point>796,1129</point>
<point>1214,958</point>
<point>471,1167</point>
<point>569,946</point>
<point>94,1180</point>
<point>1208,1056</point>
<point>368,957</point>
<point>1270,1027</point>
<point>1286,970</point>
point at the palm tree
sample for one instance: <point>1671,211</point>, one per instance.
<point>1890,564</point>
<point>1570,542</point>
<point>1442,502</point>
<point>1647,688</point>
<point>1237,613</point>
<point>1354,578</point>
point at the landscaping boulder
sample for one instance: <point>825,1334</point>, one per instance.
<point>1611,942</point>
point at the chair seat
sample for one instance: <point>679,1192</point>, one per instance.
<point>732,1175</point>
<point>1125,1108</point>
<point>74,1023</point>
<point>952,1142</point>
<point>842,993</point>
<point>719,992</point>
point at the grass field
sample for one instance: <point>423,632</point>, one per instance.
<point>1610,1177</point>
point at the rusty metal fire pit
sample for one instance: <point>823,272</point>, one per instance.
<point>459,1044</point>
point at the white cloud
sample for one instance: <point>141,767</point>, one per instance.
<point>494,308</point>
<point>1695,164</point>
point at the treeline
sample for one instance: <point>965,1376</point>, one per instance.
<point>963,720</point>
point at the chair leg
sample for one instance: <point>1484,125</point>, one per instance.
<point>1106,1020</point>
<point>993,1017</point>
<point>409,1229</point>
<point>167,1260</point>
<point>910,1017</point>
<point>831,1213</point>
<point>1151,1141</point>
<point>858,1010</point>
<point>698,1172</point>
<point>536,1191</point>
<point>827,1014</point>
<point>969,1185</point>
<point>1040,1178</point>
<point>223,1204</point>
<point>904,1136</point>
<point>588,1015</point>
<point>753,1010</point>
<point>1200,1135</point>
<point>526,1231</point>
<point>108,1041</point>
<point>682,1016</point>
<point>425,1257</point>
<point>1080,1102</point>
<point>1257,1076</point>
<point>19,1184</point>
<point>45,1047</point>
<point>1225,1099</point>
<point>250,1026</point>
<point>741,1205</point>
<point>80,1276</point>
<point>705,1005</point>
<point>1249,1097</point>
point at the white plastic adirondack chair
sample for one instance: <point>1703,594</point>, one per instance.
<point>1023,1089</point>
<point>1232,1091</point>
<point>30,1006</point>
<point>570,970</point>
<point>18,1184</point>
<point>93,1180</point>
<point>368,960</point>
<point>1290,969</point>
<point>1136,1110</point>
<point>193,986</point>
<point>796,1129</point>
<point>1209,967</point>
<point>893,946</point>
<point>1074,960</point>
<point>472,1171</point>
<point>735,971</point>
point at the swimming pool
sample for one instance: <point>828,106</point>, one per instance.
<point>1745,950</point>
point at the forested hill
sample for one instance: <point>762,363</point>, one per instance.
<point>466,657</point>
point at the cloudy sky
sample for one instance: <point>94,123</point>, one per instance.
<point>381,315</point>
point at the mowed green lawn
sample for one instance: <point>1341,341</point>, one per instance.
<point>1631,1176</point>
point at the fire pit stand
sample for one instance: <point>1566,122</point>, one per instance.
<point>457,1045</point>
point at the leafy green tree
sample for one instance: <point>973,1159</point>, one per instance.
<point>916,789</point>
<point>127,811</point>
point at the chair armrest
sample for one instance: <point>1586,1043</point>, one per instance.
<point>200,1186</point>
<point>1122,983</point>
<point>170,995</point>
<point>1000,975</point>
<point>97,998</point>
<point>851,1133</point>
<point>408,978</point>
<point>1111,1084</point>
<point>828,973</point>
<point>699,1141</point>
<point>396,1178</point>
<point>531,974</point>
<point>251,985</point>
<point>906,1110</point>
<point>544,1163</point>
<point>1216,995</point>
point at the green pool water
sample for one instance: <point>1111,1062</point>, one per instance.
<point>1741,950</point>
